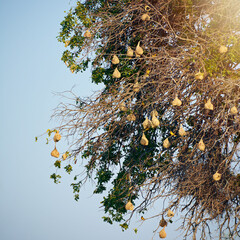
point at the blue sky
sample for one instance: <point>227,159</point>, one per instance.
<point>32,207</point>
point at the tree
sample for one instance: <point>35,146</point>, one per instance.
<point>166,124</point>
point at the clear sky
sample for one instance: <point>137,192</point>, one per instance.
<point>32,207</point>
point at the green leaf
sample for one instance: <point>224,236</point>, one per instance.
<point>55,178</point>
<point>68,169</point>
<point>124,226</point>
<point>57,164</point>
<point>76,197</point>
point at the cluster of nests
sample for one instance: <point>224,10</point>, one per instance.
<point>176,102</point>
<point>56,138</point>
<point>154,123</point>
<point>218,199</point>
<point>194,180</point>
<point>163,223</point>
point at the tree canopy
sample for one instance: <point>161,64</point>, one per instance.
<point>167,124</point>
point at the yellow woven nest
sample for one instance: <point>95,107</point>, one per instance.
<point>115,59</point>
<point>181,131</point>
<point>147,123</point>
<point>163,223</point>
<point>144,140</point>
<point>55,153</point>
<point>208,105</point>
<point>233,110</point>
<point>129,206</point>
<point>162,233</point>
<point>176,102</point>
<point>116,73</point>
<point>201,145</point>
<point>147,8</point>
<point>170,213</point>
<point>155,122</point>
<point>166,143</point>
<point>130,52</point>
<point>145,17</point>
<point>139,50</point>
<point>217,176</point>
<point>199,75</point>
<point>57,137</point>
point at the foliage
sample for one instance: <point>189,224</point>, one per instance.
<point>191,50</point>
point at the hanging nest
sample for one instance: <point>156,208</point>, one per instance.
<point>129,206</point>
<point>57,137</point>
<point>139,50</point>
<point>233,110</point>
<point>201,145</point>
<point>144,140</point>
<point>177,102</point>
<point>208,105</point>
<point>116,73</point>
<point>131,117</point>
<point>147,123</point>
<point>145,17</point>
<point>181,131</point>
<point>55,153</point>
<point>163,222</point>
<point>217,176</point>
<point>115,59</point>
<point>155,122</point>
<point>130,52</point>
<point>162,233</point>
<point>170,213</point>
<point>166,143</point>
<point>72,68</point>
